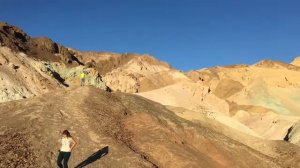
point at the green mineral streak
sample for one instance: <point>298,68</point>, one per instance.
<point>73,73</point>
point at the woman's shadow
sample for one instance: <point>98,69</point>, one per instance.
<point>94,157</point>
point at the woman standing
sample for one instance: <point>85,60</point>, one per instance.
<point>67,145</point>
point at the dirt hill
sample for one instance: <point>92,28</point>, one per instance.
<point>137,133</point>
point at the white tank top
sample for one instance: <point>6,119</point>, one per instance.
<point>65,145</point>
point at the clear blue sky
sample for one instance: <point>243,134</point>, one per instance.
<point>189,34</point>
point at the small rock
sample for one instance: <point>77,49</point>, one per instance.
<point>15,66</point>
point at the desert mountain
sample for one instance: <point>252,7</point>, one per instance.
<point>132,73</point>
<point>126,72</point>
<point>233,116</point>
<point>260,99</point>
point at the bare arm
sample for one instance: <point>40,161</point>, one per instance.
<point>73,143</point>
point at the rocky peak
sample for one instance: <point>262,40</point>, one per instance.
<point>13,37</point>
<point>41,48</point>
<point>276,65</point>
<point>296,61</point>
